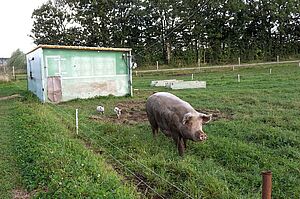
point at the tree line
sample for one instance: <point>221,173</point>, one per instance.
<point>175,31</point>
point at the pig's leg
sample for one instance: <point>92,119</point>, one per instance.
<point>184,141</point>
<point>180,144</point>
<point>154,126</point>
<point>154,131</point>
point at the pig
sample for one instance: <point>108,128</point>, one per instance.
<point>176,119</point>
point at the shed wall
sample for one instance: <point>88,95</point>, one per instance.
<point>35,74</point>
<point>86,74</point>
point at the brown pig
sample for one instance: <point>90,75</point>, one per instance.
<point>175,118</point>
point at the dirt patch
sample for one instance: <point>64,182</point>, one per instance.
<point>10,97</point>
<point>20,194</point>
<point>133,112</point>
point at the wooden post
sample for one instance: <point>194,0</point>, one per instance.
<point>76,121</point>
<point>277,58</point>
<point>267,185</point>
<point>156,65</point>
<point>270,71</point>
<point>239,59</point>
<point>239,78</point>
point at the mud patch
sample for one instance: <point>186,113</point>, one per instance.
<point>20,194</point>
<point>133,112</point>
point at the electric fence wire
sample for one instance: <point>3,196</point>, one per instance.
<point>141,164</point>
<point>108,142</point>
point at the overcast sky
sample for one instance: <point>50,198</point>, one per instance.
<point>16,24</point>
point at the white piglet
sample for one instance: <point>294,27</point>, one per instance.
<point>118,112</point>
<point>100,109</point>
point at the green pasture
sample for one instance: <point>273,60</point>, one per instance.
<point>259,130</point>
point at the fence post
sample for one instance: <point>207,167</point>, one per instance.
<point>270,71</point>
<point>239,59</point>
<point>239,78</point>
<point>199,63</point>
<point>156,65</point>
<point>13,71</point>
<point>277,58</point>
<point>192,76</point>
<point>267,185</point>
<point>76,121</point>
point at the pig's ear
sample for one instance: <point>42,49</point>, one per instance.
<point>205,118</point>
<point>186,118</point>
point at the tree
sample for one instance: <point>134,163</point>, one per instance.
<point>174,30</point>
<point>52,25</point>
<point>17,60</point>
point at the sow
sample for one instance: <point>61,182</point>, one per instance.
<point>175,118</point>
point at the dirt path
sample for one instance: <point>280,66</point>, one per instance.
<point>10,97</point>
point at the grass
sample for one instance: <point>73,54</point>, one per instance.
<point>262,133</point>
<point>10,177</point>
<point>50,162</point>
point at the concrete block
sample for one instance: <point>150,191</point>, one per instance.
<point>187,85</point>
<point>164,82</point>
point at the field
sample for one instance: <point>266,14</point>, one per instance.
<point>256,127</point>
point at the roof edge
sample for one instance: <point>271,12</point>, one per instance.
<point>80,48</point>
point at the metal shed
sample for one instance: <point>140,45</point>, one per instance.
<point>62,73</point>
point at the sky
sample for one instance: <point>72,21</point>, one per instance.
<point>16,24</point>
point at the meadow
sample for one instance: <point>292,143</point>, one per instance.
<point>256,127</point>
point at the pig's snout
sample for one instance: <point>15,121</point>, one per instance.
<point>202,136</point>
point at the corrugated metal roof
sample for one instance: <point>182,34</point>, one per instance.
<point>81,48</point>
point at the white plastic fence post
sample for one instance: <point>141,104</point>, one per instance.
<point>13,70</point>
<point>77,121</point>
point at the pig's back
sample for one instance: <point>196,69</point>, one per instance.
<point>167,102</point>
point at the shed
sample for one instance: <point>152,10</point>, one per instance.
<point>62,73</point>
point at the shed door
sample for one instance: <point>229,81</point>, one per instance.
<point>53,72</point>
<point>54,88</point>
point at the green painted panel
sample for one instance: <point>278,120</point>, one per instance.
<point>122,60</point>
<point>80,63</point>
<point>87,74</point>
<point>52,64</point>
